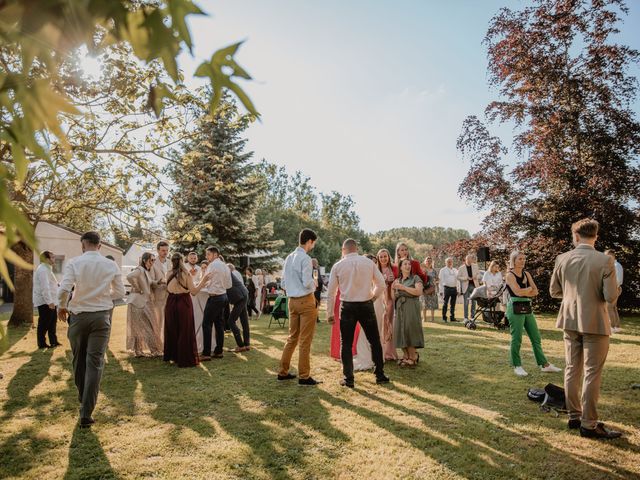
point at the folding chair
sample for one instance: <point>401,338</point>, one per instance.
<point>280,311</point>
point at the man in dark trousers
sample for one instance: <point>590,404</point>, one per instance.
<point>355,276</point>
<point>238,296</point>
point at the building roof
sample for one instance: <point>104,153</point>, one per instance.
<point>68,229</point>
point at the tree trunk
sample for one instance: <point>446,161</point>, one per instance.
<point>22,297</point>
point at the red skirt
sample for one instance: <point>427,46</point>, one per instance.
<point>180,344</point>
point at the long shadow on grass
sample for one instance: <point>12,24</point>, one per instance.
<point>9,336</point>
<point>490,440</point>
<point>21,451</point>
<point>276,427</point>
<point>87,458</point>
<point>27,377</point>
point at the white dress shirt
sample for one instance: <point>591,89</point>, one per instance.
<point>297,274</point>
<point>448,278</point>
<point>619,273</point>
<point>97,280</point>
<point>354,275</point>
<point>197,274</point>
<point>45,286</point>
<point>220,280</point>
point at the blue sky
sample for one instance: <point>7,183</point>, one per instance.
<point>366,97</point>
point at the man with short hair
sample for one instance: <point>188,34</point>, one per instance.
<point>45,292</point>
<point>97,283</point>
<point>449,289</point>
<point>297,280</point>
<point>469,277</point>
<point>355,276</point>
<point>217,287</point>
<point>585,280</point>
<point>159,284</point>
<point>614,316</point>
<point>238,296</point>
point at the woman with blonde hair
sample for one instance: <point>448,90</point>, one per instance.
<point>492,279</point>
<point>402,252</point>
<point>522,289</point>
<point>141,314</point>
<point>386,268</point>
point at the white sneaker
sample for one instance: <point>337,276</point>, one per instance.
<point>616,330</point>
<point>519,371</point>
<point>551,368</point>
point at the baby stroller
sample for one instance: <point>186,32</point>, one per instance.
<point>280,311</point>
<point>487,302</point>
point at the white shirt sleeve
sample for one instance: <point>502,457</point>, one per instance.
<point>117,287</point>
<point>68,281</point>
<point>307,273</point>
<point>332,290</point>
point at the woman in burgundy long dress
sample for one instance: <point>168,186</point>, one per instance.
<point>180,344</point>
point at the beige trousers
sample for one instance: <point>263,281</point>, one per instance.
<point>303,314</point>
<point>585,356</point>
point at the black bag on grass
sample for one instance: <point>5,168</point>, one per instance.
<point>554,400</point>
<point>551,398</point>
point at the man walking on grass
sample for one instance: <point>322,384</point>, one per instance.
<point>97,282</point>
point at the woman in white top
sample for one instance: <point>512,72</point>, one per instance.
<point>258,281</point>
<point>141,316</point>
<point>493,279</point>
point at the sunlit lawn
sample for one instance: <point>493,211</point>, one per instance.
<point>461,414</point>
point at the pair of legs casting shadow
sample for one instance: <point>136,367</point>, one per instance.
<point>87,458</point>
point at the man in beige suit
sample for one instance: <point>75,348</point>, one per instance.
<point>159,284</point>
<point>469,277</point>
<point>585,279</point>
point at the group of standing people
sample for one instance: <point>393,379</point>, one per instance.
<point>180,310</point>
<point>381,299</point>
<point>380,296</point>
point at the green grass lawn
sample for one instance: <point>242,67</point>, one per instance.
<point>461,414</point>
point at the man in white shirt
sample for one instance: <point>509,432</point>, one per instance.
<point>449,289</point>
<point>297,280</point>
<point>214,310</point>
<point>159,284</point>
<point>97,282</point>
<point>45,298</point>
<point>612,307</point>
<point>354,275</point>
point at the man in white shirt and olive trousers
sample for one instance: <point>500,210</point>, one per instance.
<point>355,276</point>
<point>96,282</point>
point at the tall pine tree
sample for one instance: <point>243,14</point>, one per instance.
<point>217,189</point>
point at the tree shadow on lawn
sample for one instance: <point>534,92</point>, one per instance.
<point>232,392</point>
<point>26,378</point>
<point>9,336</point>
<point>20,451</point>
<point>87,458</point>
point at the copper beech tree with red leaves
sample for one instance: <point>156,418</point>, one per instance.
<point>565,86</point>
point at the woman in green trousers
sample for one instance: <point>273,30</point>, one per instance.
<point>522,289</point>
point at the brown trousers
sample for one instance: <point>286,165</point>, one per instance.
<point>612,308</point>
<point>302,325</point>
<point>585,356</point>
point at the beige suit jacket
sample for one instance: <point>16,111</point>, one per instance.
<point>157,273</point>
<point>464,279</point>
<point>585,280</point>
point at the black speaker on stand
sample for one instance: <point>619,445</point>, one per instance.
<point>484,256</point>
